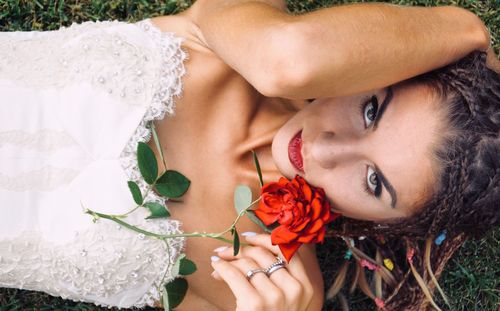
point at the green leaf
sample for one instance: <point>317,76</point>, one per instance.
<point>172,184</point>
<point>236,243</point>
<point>157,210</point>
<point>257,166</point>
<point>255,219</point>
<point>176,290</point>
<point>187,267</point>
<point>136,192</point>
<point>147,162</point>
<point>177,265</point>
<point>242,198</point>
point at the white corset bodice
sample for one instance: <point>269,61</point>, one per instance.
<point>74,103</point>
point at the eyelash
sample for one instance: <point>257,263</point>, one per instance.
<point>378,189</point>
<point>367,188</point>
<point>362,108</point>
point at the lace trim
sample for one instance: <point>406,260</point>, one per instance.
<point>170,85</point>
<point>44,140</point>
<point>44,179</point>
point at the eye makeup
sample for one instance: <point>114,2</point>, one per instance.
<point>371,115</point>
<point>381,180</point>
<point>372,176</point>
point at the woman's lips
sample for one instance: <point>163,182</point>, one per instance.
<point>294,152</point>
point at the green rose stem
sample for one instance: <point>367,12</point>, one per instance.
<point>135,208</point>
<point>217,236</point>
<point>243,211</point>
<point>157,143</point>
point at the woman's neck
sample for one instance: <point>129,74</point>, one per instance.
<point>270,115</point>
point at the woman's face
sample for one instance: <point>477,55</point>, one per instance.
<point>370,152</point>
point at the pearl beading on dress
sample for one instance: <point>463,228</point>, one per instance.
<point>102,263</point>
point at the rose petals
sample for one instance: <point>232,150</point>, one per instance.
<point>301,210</point>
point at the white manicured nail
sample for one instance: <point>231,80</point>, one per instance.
<point>214,258</point>
<point>220,249</point>
<point>249,233</point>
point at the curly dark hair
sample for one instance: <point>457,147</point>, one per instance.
<point>466,203</point>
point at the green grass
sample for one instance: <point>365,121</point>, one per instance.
<point>471,277</point>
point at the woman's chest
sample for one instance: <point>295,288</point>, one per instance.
<point>203,142</point>
<point>218,120</point>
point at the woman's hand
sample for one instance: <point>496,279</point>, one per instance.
<point>285,289</point>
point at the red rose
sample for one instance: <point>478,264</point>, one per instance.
<point>301,210</point>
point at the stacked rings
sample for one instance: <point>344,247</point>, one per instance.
<point>280,263</point>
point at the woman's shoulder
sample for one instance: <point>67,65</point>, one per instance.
<point>182,25</point>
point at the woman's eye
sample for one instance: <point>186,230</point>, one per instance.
<point>373,182</point>
<point>370,110</point>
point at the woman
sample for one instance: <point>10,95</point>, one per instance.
<point>251,68</point>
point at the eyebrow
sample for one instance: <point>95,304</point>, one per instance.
<point>388,186</point>
<point>383,179</point>
<point>383,107</point>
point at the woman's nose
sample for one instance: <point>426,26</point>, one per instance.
<point>329,149</point>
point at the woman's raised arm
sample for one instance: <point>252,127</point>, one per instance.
<point>335,51</point>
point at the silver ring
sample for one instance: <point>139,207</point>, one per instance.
<point>280,263</point>
<point>274,268</point>
<point>252,272</point>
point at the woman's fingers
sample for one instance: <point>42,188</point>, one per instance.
<point>240,287</point>
<point>293,280</point>
<point>263,240</point>
<point>263,258</point>
<point>257,293</point>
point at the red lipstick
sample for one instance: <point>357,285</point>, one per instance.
<point>294,151</point>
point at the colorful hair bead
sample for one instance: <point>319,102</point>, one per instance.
<point>380,303</point>
<point>388,264</point>
<point>409,254</point>
<point>348,254</point>
<point>365,263</point>
<point>440,238</point>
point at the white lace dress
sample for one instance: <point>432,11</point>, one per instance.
<point>74,103</point>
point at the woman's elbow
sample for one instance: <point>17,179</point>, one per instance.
<point>287,67</point>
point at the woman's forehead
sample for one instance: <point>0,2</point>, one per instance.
<point>408,136</point>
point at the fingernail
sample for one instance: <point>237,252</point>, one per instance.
<point>220,249</point>
<point>214,258</point>
<point>249,233</point>
<point>214,274</point>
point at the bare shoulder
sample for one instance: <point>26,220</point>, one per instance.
<point>206,71</point>
<point>182,25</point>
